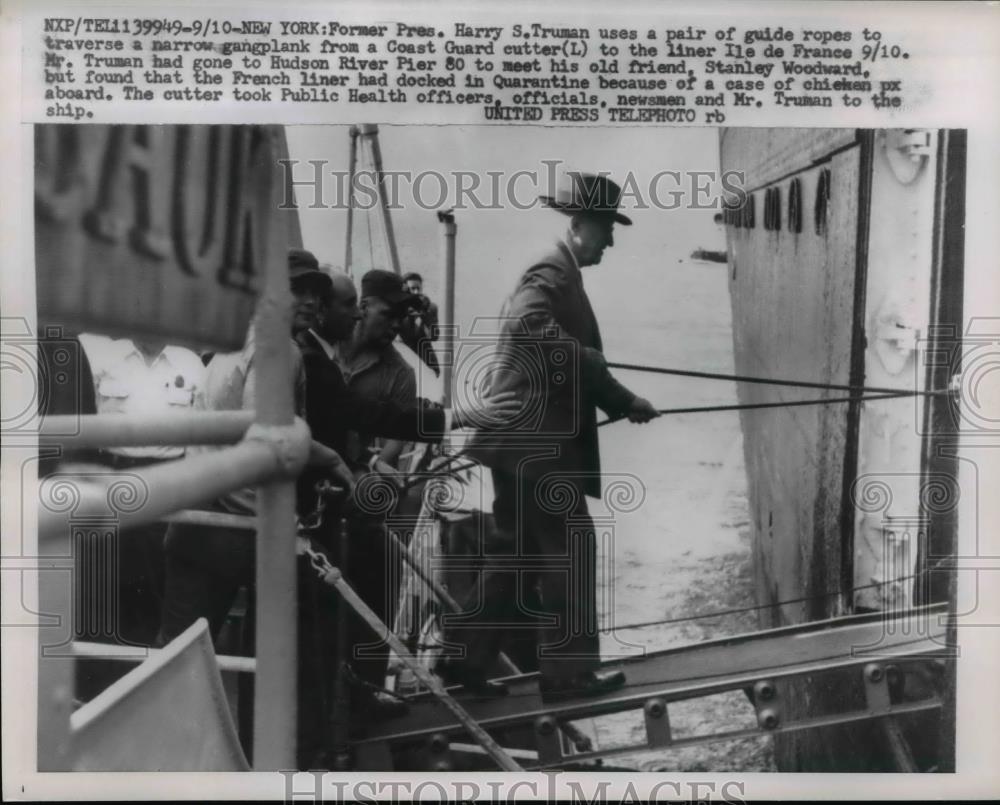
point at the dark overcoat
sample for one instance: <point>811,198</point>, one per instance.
<point>549,351</point>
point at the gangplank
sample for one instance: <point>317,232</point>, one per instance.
<point>874,647</point>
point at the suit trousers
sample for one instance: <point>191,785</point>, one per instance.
<point>549,547</point>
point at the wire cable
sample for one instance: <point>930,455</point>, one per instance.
<point>756,607</point>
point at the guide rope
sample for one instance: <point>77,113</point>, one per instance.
<point>783,404</point>
<point>774,381</point>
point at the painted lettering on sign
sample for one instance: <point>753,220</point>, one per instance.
<point>156,230</point>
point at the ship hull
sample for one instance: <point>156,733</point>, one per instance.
<point>837,278</point>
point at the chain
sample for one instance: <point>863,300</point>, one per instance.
<point>304,546</point>
<point>314,519</point>
<point>311,522</point>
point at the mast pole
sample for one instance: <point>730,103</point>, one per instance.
<point>351,171</point>
<point>370,130</point>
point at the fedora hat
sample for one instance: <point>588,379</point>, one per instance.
<point>587,193</point>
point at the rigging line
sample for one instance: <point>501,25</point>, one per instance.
<point>365,142</point>
<point>757,607</point>
<point>768,381</point>
<point>790,404</point>
<point>371,240</point>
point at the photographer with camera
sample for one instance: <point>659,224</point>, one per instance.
<point>419,329</point>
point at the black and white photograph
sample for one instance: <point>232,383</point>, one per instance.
<point>652,454</point>
<point>693,477</point>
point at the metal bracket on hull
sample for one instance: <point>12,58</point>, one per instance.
<point>907,151</point>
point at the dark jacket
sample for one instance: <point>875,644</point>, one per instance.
<point>332,409</point>
<point>550,352</point>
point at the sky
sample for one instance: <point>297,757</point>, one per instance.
<point>496,244</point>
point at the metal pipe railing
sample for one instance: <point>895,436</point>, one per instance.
<point>147,494</point>
<point>270,455</point>
<point>211,519</point>
<point>131,430</point>
<point>227,663</point>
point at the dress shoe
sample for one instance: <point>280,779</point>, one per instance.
<point>387,707</point>
<point>377,706</point>
<point>472,679</point>
<point>581,686</point>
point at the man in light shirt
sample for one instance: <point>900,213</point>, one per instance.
<point>121,602</point>
<point>142,376</point>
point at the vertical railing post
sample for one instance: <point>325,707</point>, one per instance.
<point>55,671</point>
<point>342,694</point>
<point>276,631</point>
<point>447,322</point>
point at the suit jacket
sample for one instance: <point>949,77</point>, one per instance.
<point>550,352</point>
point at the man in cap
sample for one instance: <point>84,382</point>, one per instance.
<point>374,370</point>
<point>310,289</point>
<point>371,365</point>
<point>545,462</point>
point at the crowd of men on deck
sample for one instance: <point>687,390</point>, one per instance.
<point>359,397</point>
<point>360,400</point>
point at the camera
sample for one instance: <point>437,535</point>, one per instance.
<point>421,305</point>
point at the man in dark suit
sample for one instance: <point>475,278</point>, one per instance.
<point>333,408</point>
<point>546,460</point>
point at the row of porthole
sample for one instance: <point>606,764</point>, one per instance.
<point>744,216</point>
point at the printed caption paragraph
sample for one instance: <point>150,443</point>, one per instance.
<point>517,72</point>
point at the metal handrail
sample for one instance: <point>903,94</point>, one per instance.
<point>132,430</point>
<point>149,493</point>
<point>104,651</point>
<point>212,519</point>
